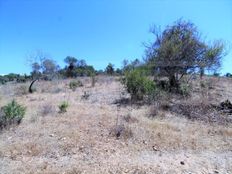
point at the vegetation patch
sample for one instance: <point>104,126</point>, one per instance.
<point>73,85</point>
<point>138,85</point>
<point>12,113</point>
<point>63,107</point>
<point>204,112</point>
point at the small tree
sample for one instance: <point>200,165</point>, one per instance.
<point>48,66</point>
<point>110,69</point>
<point>12,113</point>
<point>71,61</point>
<point>179,50</point>
<point>137,84</point>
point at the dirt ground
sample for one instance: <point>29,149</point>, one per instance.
<point>96,135</point>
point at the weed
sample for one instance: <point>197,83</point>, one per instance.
<point>85,96</point>
<point>46,109</point>
<point>74,84</point>
<point>63,107</point>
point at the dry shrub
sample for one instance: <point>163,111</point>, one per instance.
<point>121,131</point>
<point>55,90</point>
<point>129,119</point>
<point>200,111</point>
<point>85,96</point>
<point>46,110</point>
<point>21,90</point>
<point>74,171</point>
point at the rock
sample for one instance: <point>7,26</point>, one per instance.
<point>155,148</point>
<point>182,162</point>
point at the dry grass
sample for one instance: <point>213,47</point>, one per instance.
<point>81,140</point>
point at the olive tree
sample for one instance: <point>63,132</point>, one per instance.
<point>179,50</point>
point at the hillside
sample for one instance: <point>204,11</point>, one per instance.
<point>98,134</point>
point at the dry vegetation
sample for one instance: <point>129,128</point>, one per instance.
<point>96,135</point>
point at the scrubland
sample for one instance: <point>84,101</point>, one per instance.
<point>103,132</point>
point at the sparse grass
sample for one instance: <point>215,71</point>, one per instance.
<point>21,90</point>
<point>121,131</point>
<point>46,109</point>
<point>79,142</point>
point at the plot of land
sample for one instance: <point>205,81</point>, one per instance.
<point>96,135</point>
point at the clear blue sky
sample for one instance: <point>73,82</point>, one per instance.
<point>100,31</point>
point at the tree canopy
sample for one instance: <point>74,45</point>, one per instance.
<point>179,50</point>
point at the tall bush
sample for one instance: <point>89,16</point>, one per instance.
<point>138,84</point>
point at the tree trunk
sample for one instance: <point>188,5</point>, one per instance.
<point>173,82</point>
<point>30,87</point>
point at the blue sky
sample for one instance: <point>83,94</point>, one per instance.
<point>100,31</point>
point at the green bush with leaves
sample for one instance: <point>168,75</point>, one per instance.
<point>12,113</point>
<point>63,107</point>
<point>74,84</point>
<point>138,84</point>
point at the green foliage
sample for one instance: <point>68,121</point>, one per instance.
<point>110,69</point>
<point>77,68</point>
<point>228,75</point>
<point>215,74</point>
<point>85,70</point>
<point>12,113</point>
<point>138,85</point>
<point>70,60</point>
<point>3,80</point>
<point>14,77</point>
<point>179,50</point>
<point>74,84</point>
<point>185,89</point>
<point>63,107</point>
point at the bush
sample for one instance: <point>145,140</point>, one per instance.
<point>185,89</point>
<point>138,85</point>
<point>63,107</point>
<point>74,84</point>
<point>228,75</point>
<point>12,113</point>
<point>46,110</point>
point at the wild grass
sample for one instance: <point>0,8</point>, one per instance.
<point>84,139</point>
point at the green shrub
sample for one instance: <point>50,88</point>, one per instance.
<point>12,113</point>
<point>74,84</point>
<point>138,85</point>
<point>63,107</point>
<point>185,89</point>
